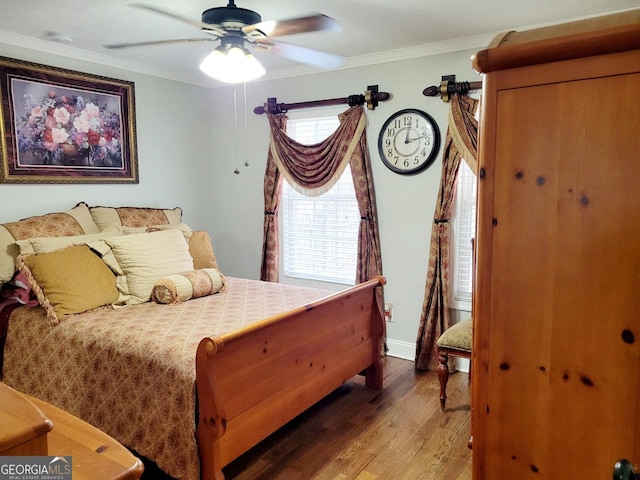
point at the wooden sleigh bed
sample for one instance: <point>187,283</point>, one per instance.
<point>157,377</point>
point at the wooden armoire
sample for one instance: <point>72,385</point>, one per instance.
<point>556,353</point>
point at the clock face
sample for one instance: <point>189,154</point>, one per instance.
<point>409,141</point>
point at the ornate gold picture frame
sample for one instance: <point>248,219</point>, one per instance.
<point>63,126</point>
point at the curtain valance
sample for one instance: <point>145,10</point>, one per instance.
<point>313,169</point>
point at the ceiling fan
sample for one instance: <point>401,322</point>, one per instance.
<point>235,27</point>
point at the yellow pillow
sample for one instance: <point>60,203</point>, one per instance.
<point>76,221</point>
<point>70,280</point>
<point>201,250</point>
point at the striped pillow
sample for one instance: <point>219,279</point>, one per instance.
<point>141,259</point>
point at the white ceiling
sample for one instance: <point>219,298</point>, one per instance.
<point>372,30</point>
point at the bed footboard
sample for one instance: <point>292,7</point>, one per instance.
<point>253,381</point>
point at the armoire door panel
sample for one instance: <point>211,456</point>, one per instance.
<point>557,377</point>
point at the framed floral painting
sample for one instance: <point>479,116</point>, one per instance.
<point>63,126</point>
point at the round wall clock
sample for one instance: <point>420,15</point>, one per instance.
<point>409,141</point>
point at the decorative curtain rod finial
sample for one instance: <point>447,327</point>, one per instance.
<point>449,86</point>
<point>431,91</point>
<point>271,107</point>
<point>372,97</point>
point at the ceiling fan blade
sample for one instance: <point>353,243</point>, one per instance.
<point>204,26</point>
<point>301,54</point>
<point>116,46</point>
<point>279,28</point>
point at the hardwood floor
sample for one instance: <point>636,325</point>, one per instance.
<point>356,433</point>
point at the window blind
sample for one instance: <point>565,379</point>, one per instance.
<point>319,234</point>
<point>464,227</point>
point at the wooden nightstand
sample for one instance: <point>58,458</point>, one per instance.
<point>29,426</point>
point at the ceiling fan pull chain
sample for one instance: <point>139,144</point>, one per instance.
<point>246,127</point>
<point>235,124</point>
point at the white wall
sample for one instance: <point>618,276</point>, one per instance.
<point>405,203</point>
<point>187,154</point>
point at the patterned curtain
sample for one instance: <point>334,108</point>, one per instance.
<point>272,189</point>
<point>369,253</point>
<point>313,170</point>
<point>460,142</point>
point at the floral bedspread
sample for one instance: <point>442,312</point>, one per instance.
<point>131,371</point>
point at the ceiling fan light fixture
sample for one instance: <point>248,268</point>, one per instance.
<point>232,64</point>
<point>234,26</point>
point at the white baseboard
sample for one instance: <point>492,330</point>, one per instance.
<point>400,349</point>
<point>407,351</point>
<point>462,364</point>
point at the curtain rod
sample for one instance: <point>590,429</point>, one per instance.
<point>371,97</point>
<point>449,86</point>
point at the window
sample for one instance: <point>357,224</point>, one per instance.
<point>464,227</point>
<point>319,235</point>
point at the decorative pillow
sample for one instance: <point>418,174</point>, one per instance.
<point>144,258</point>
<point>76,221</point>
<point>104,217</point>
<point>70,280</point>
<point>181,287</point>
<point>183,227</point>
<point>199,241</point>
<point>201,250</point>
<point>45,244</point>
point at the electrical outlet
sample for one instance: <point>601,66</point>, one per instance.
<point>388,312</point>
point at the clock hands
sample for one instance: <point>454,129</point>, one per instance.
<point>408,140</point>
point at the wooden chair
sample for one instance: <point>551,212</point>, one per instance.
<point>455,341</point>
